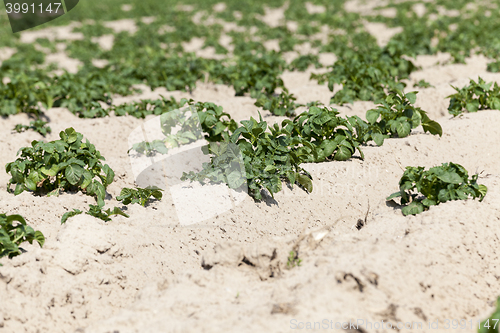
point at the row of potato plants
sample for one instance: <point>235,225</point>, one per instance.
<point>271,154</point>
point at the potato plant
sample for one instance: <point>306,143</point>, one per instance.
<point>96,211</point>
<point>494,66</point>
<point>398,116</point>
<point>210,117</point>
<point>331,136</point>
<point>64,164</point>
<point>367,74</point>
<point>282,104</point>
<point>272,154</point>
<point>476,96</point>
<point>139,195</point>
<point>268,156</point>
<point>146,107</point>
<point>38,126</point>
<point>420,189</point>
<point>303,62</point>
<point>13,232</point>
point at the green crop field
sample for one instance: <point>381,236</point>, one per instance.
<point>284,95</point>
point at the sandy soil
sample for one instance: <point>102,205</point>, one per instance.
<point>149,273</point>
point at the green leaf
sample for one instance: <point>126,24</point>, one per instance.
<point>343,153</point>
<point>116,211</point>
<point>30,184</point>
<point>428,202</point>
<point>69,135</point>
<point>110,175</point>
<point>87,179</point>
<point>305,181</point>
<point>413,208</point>
<point>19,189</point>
<point>394,195</point>
<point>235,179</point>
<point>54,193</point>
<point>40,238</point>
<point>54,169</point>
<point>67,215</point>
<point>403,128</point>
<point>270,168</point>
<point>14,217</point>
<point>329,147</point>
<point>74,173</point>
<point>472,106</point>
<point>483,190</point>
<point>100,194</point>
<point>412,97</point>
<point>432,127</point>
<point>451,177</point>
<point>378,138</point>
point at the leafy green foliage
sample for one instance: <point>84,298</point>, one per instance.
<point>303,62</point>
<point>26,92</point>
<point>13,234</point>
<point>272,154</point>
<point>212,119</point>
<point>95,211</point>
<point>64,164</point>
<point>255,73</point>
<point>365,71</point>
<point>474,33</point>
<point>32,91</point>
<point>226,166</point>
<point>279,105</point>
<point>330,136</point>
<point>422,84</point>
<point>268,157</point>
<point>139,195</point>
<point>36,125</point>
<point>491,324</point>
<point>493,67</point>
<point>398,116</point>
<point>439,184</point>
<point>158,59</point>
<point>366,75</point>
<point>67,215</point>
<point>146,107</point>
<point>474,97</point>
<point>150,148</point>
<point>293,260</point>
<point>98,212</point>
